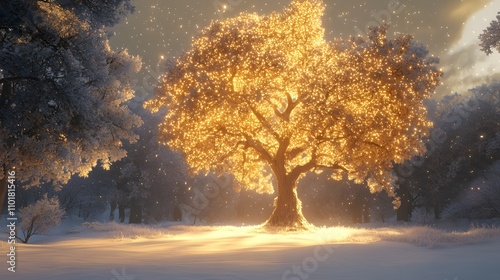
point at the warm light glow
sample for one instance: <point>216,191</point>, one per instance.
<point>260,95</point>
<point>70,25</point>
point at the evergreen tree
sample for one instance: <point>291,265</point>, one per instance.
<point>63,89</point>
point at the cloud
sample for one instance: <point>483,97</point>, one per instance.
<point>438,24</point>
<point>465,69</point>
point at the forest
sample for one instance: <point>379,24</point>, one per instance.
<point>77,139</point>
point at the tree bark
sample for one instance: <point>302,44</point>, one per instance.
<point>3,189</point>
<point>357,209</point>
<point>4,100</point>
<point>177,214</point>
<point>6,94</point>
<point>404,211</point>
<point>121,213</point>
<point>437,211</point>
<point>135,213</point>
<point>366,215</point>
<point>113,205</point>
<point>287,212</point>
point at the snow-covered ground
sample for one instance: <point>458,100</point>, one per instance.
<point>121,252</point>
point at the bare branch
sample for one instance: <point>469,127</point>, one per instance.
<point>13,79</point>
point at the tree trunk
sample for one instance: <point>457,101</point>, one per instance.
<point>6,94</point>
<point>121,213</point>
<point>357,209</point>
<point>366,214</point>
<point>113,205</point>
<point>3,188</point>
<point>437,211</point>
<point>4,100</point>
<point>177,214</point>
<point>135,213</point>
<point>288,208</point>
<point>404,211</point>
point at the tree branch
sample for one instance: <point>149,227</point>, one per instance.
<point>297,171</point>
<point>264,122</point>
<point>13,79</point>
<point>259,149</point>
<point>333,167</point>
<point>289,108</point>
<point>295,152</point>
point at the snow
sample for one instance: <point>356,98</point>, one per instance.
<point>52,103</point>
<point>173,251</point>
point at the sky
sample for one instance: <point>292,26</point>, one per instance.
<point>160,29</point>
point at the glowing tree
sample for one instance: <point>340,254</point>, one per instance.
<point>267,99</point>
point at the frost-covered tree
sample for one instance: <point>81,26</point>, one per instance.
<point>490,38</point>
<point>136,182</point>
<point>100,13</point>
<point>267,98</point>
<point>481,199</point>
<point>63,89</point>
<point>467,145</point>
<point>149,180</point>
<point>39,217</point>
<point>85,198</point>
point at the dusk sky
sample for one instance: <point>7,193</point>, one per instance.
<point>449,28</point>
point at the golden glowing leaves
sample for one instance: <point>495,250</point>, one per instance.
<point>254,91</point>
<point>65,21</point>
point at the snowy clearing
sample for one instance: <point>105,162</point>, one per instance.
<point>123,252</point>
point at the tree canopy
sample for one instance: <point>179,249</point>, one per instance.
<point>490,38</point>
<point>63,89</point>
<point>258,96</point>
